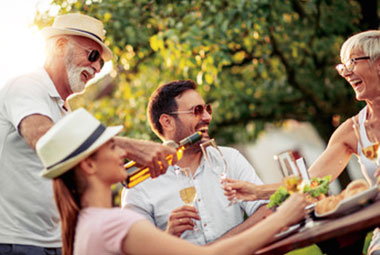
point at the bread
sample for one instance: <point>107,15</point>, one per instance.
<point>355,187</point>
<point>329,204</point>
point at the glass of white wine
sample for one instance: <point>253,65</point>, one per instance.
<point>187,190</point>
<point>216,161</point>
<point>372,151</point>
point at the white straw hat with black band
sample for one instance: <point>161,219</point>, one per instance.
<point>71,140</point>
<point>81,25</point>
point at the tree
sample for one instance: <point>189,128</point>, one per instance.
<point>257,62</point>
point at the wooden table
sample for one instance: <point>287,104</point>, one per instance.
<point>342,235</point>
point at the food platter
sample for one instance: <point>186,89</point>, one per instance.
<point>352,203</point>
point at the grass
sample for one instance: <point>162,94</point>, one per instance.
<point>309,250</point>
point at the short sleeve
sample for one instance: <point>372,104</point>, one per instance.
<point>116,227</point>
<point>136,200</point>
<point>24,97</point>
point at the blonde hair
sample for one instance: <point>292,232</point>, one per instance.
<point>368,42</point>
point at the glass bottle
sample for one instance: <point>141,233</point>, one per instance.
<point>138,174</point>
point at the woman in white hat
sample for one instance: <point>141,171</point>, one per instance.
<point>82,157</point>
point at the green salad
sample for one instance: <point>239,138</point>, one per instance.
<point>315,190</point>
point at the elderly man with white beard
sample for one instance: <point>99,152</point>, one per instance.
<point>29,105</point>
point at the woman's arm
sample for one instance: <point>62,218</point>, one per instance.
<point>144,238</point>
<point>340,148</point>
<point>248,191</point>
<point>332,161</point>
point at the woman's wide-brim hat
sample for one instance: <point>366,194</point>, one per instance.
<point>70,140</point>
<point>80,25</point>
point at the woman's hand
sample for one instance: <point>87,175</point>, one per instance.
<point>247,191</point>
<point>293,209</point>
<point>238,189</point>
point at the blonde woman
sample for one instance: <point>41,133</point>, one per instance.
<point>360,67</point>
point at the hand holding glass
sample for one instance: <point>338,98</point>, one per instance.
<point>216,161</point>
<point>187,189</point>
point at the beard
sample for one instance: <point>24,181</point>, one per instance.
<point>74,73</point>
<point>181,132</point>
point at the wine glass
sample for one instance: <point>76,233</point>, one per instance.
<point>187,190</point>
<point>216,161</point>
<point>371,151</point>
<point>287,163</point>
<point>295,169</point>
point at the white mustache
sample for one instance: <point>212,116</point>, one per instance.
<point>89,70</point>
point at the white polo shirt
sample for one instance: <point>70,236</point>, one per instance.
<point>157,198</point>
<point>28,214</point>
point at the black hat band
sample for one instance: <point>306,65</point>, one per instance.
<point>84,146</point>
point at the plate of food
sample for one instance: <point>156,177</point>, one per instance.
<point>315,190</point>
<point>356,195</point>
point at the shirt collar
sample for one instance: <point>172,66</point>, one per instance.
<point>50,87</point>
<point>200,168</point>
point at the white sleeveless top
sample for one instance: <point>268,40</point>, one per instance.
<point>364,162</point>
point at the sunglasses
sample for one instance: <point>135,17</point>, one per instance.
<point>196,110</point>
<point>93,55</point>
<point>349,65</point>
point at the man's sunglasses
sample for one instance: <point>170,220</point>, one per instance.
<point>93,55</point>
<point>196,110</point>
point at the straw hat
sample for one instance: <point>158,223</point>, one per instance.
<point>81,25</point>
<point>71,140</point>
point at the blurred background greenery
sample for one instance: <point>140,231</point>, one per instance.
<point>256,61</point>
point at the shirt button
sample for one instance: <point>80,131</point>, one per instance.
<point>205,225</point>
<point>199,200</point>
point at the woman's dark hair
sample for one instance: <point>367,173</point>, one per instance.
<point>68,189</point>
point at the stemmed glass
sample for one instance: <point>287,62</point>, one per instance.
<point>371,151</point>
<point>216,161</point>
<point>291,168</point>
<point>187,190</point>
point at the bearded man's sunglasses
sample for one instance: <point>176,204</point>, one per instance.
<point>93,55</point>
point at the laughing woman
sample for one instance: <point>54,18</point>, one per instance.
<point>81,156</point>
<point>360,57</point>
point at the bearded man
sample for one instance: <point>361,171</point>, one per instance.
<point>29,105</point>
<point>176,110</point>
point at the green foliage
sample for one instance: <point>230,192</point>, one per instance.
<point>257,62</point>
